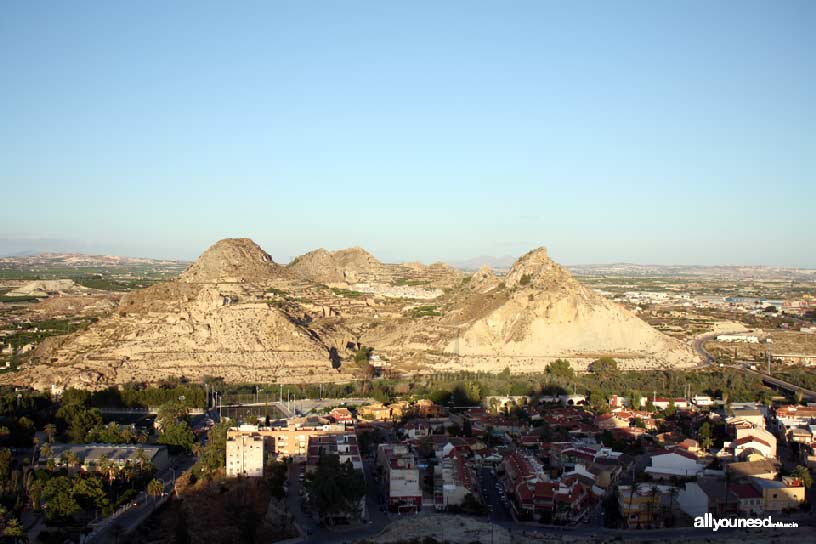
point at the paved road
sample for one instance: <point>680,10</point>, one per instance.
<point>699,349</point>
<point>317,533</point>
<point>135,515</point>
<point>494,497</point>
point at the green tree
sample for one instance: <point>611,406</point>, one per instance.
<point>58,497</point>
<point>213,455</point>
<point>336,488</point>
<point>170,412</point>
<point>704,436</point>
<point>177,436</point>
<point>606,367</point>
<point>803,474</point>
<point>79,419</point>
<point>560,369</point>
<point>5,464</point>
<point>14,530</point>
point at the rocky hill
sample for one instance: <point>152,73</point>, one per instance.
<point>45,288</point>
<point>215,319</point>
<point>232,260</point>
<point>539,313</point>
<point>344,267</point>
<point>237,314</point>
<point>355,268</point>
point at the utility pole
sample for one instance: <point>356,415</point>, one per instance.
<point>769,362</point>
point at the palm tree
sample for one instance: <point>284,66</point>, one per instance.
<point>45,451</point>
<point>103,465</point>
<point>71,459</point>
<point>141,458</point>
<point>631,495</point>
<point>654,498</point>
<point>51,430</point>
<point>155,488</point>
<point>34,449</point>
<point>673,493</point>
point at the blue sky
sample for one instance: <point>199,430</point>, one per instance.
<point>653,132</point>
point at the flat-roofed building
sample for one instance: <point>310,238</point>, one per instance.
<point>90,455</point>
<point>765,469</point>
<point>245,455</point>
<point>453,482</point>
<point>778,496</point>
<point>344,445</point>
<point>289,437</point>
<point>400,477</point>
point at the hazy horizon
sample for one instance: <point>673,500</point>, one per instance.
<point>633,131</point>
<point>285,259</point>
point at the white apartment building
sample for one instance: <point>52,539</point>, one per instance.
<point>245,455</point>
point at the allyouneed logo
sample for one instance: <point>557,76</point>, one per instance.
<point>708,521</point>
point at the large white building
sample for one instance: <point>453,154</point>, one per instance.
<point>746,338</point>
<point>245,455</point>
<point>677,462</point>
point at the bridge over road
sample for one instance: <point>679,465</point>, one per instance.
<point>807,394</point>
<point>143,411</point>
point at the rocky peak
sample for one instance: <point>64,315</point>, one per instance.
<point>336,267</point>
<point>536,269</point>
<point>484,280</point>
<point>232,260</point>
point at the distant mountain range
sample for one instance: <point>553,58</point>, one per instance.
<point>80,260</point>
<point>719,271</point>
<point>496,263</point>
<point>499,264</point>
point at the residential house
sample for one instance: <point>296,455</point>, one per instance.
<point>642,505</point>
<point>400,478</point>
<point>674,463</point>
<point>453,481</point>
<point>780,495</point>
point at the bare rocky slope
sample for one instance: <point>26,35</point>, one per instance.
<point>539,313</point>
<point>213,320</point>
<point>237,314</point>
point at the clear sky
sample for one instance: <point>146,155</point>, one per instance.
<point>669,132</point>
